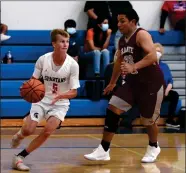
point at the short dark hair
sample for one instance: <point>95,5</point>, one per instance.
<point>100,19</point>
<point>130,14</point>
<point>70,23</point>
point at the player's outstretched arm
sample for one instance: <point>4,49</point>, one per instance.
<point>116,71</point>
<point>144,40</point>
<point>115,74</point>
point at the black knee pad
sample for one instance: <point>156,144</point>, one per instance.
<point>111,121</point>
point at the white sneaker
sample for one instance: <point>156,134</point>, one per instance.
<point>98,154</point>
<point>17,163</point>
<point>151,154</point>
<point>5,37</point>
<point>15,141</point>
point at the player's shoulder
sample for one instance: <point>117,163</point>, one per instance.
<point>71,61</point>
<point>142,32</point>
<point>45,56</point>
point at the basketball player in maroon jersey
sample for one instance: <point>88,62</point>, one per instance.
<point>144,85</point>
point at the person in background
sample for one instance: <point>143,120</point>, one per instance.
<point>95,9</point>
<point>3,31</point>
<point>170,95</point>
<point>74,47</point>
<point>176,10</point>
<point>96,44</point>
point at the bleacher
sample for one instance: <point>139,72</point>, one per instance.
<point>27,45</point>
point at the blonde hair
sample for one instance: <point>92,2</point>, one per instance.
<point>158,45</point>
<point>61,32</point>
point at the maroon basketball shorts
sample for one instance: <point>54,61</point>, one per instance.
<point>149,103</point>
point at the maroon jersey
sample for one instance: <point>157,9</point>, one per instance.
<point>149,78</point>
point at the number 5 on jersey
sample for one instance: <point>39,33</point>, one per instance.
<point>55,88</point>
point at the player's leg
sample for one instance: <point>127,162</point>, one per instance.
<point>118,104</point>
<point>149,106</point>
<point>30,124</point>
<point>54,117</point>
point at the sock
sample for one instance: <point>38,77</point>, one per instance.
<point>23,153</point>
<point>105,145</point>
<point>155,144</point>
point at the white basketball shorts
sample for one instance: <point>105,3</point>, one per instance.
<point>41,110</point>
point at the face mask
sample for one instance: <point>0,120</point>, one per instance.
<point>104,27</point>
<point>159,54</point>
<point>71,30</point>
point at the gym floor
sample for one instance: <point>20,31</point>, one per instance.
<point>64,150</point>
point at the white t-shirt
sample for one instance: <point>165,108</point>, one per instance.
<point>57,79</point>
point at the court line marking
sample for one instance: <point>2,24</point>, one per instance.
<point>137,153</point>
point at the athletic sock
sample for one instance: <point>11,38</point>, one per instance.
<point>105,145</point>
<point>23,153</point>
<point>153,144</point>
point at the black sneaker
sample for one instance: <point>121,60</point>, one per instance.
<point>172,123</point>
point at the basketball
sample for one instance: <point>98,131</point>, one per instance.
<point>32,91</point>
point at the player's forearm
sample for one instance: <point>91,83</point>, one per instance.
<point>146,61</point>
<point>91,14</point>
<point>116,72</point>
<point>69,95</point>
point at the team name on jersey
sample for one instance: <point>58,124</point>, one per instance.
<point>54,79</point>
<point>127,49</point>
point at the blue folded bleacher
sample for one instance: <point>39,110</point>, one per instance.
<point>28,45</point>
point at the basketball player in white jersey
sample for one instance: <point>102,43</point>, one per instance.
<point>61,79</point>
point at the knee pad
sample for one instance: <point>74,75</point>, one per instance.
<point>111,121</point>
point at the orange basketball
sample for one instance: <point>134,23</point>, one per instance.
<point>32,91</point>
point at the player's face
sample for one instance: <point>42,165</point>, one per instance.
<point>124,25</point>
<point>61,44</point>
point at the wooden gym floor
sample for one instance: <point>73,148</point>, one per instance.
<point>63,152</point>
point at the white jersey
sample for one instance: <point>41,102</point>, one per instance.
<point>57,79</point>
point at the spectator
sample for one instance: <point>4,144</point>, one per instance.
<point>74,47</point>
<point>170,94</point>
<point>96,44</point>
<point>3,31</point>
<point>176,10</point>
<point>95,9</point>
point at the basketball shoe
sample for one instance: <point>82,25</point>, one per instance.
<point>17,163</point>
<point>15,141</point>
<point>151,154</point>
<point>98,154</point>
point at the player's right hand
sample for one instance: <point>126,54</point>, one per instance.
<point>108,89</point>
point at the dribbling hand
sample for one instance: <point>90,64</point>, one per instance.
<point>108,89</point>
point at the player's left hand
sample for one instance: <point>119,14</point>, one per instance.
<point>56,99</point>
<point>126,68</point>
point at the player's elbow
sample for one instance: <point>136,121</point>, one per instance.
<point>74,93</point>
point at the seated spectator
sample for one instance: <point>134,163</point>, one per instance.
<point>176,11</point>
<point>74,47</point>
<point>3,30</point>
<point>170,94</point>
<point>96,44</point>
<point>95,9</point>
